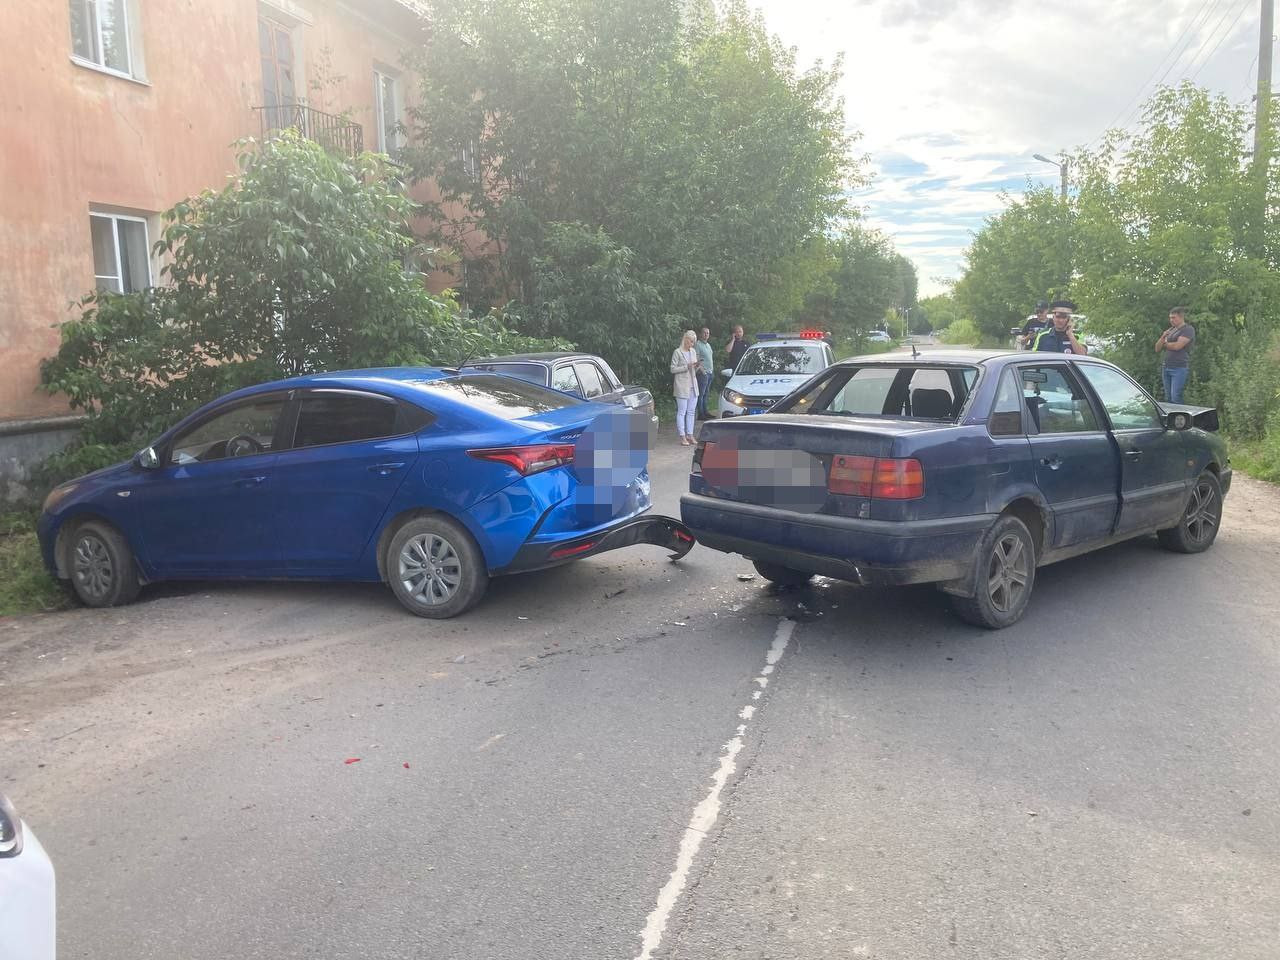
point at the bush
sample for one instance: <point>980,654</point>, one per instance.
<point>25,587</point>
<point>963,332</point>
<point>295,267</point>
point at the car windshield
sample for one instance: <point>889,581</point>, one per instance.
<point>780,359</point>
<point>504,397</point>
<point>888,390</point>
<point>532,372</point>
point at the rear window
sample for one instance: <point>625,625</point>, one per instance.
<point>797,359</point>
<point>501,396</point>
<point>883,390</point>
<point>532,372</point>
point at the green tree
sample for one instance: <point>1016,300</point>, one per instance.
<point>870,278</point>
<point>294,267</point>
<point>688,139</point>
<point>1021,255</point>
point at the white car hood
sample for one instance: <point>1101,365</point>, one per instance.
<point>767,384</point>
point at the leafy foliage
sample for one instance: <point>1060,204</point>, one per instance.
<point>630,169</point>
<point>868,278</point>
<point>294,267</point>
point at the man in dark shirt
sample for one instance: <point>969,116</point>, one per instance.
<point>1037,323</point>
<point>1176,342</point>
<point>1060,337</point>
<point>736,347</point>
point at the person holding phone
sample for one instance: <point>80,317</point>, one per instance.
<point>1175,343</point>
<point>1060,337</point>
<point>736,347</point>
<point>684,374</point>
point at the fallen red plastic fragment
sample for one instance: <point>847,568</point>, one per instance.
<point>351,760</point>
<point>406,764</point>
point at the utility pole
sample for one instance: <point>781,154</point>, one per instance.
<point>1262,121</point>
<point>1066,163</point>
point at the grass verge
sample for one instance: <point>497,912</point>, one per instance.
<point>25,587</point>
<point>1260,459</point>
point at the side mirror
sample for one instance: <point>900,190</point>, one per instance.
<point>148,459</point>
<point>1178,421</point>
<point>726,373</point>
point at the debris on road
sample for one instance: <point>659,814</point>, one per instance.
<point>744,577</point>
<point>406,764</point>
<point>351,760</point>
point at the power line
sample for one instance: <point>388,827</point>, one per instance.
<point>1231,27</point>
<point>1205,11</point>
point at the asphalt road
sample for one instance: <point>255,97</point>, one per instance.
<point>628,754</point>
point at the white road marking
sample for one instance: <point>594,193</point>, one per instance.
<point>706,812</point>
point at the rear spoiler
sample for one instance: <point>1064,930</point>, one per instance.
<point>1206,418</point>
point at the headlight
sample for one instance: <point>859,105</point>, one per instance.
<point>10,829</point>
<point>734,397</point>
<point>58,494</point>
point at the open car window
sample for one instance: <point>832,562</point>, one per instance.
<point>886,390</point>
<point>243,430</point>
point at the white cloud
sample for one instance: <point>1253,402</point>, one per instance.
<point>952,97</point>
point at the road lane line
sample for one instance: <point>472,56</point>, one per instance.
<point>706,812</point>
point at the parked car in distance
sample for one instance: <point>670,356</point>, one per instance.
<point>583,375</point>
<point>430,480</point>
<point>771,368</point>
<point>968,469</point>
<point>879,336</point>
<point>27,901</point>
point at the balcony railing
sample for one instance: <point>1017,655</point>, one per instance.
<point>337,134</point>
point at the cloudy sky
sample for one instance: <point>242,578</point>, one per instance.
<point>952,97</point>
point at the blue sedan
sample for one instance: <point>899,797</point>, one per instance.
<point>430,480</point>
<point>965,469</point>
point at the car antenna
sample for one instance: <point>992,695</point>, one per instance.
<point>914,352</point>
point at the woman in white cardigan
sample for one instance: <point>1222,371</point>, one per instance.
<point>684,367</point>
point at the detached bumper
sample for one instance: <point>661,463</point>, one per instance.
<point>879,552</point>
<point>660,531</point>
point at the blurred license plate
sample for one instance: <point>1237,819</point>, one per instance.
<point>751,410</point>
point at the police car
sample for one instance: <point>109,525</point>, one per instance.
<point>771,368</point>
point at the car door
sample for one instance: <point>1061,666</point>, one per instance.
<point>613,390</point>
<point>1155,476</point>
<point>209,510</point>
<point>349,453</point>
<point>1076,466</point>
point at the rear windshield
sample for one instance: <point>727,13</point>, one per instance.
<point>503,397</point>
<point>532,372</point>
<point>884,390</point>
<point>796,359</point>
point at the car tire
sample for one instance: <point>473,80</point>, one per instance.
<point>100,565</point>
<point>1201,517</point>
<point>1004,578</point>
<point>435,568</point>
<point>782,576</point>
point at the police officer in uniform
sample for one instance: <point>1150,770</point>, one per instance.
<point>1059,337</point>
<point>1037,323</point>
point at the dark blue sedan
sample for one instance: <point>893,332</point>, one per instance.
<point>965,469</point>
<point>430,480</point>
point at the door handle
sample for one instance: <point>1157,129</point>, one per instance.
<point>1053,463</point>
<point>1133,454</point>
<point>251,481</point>
<point>386,469</point>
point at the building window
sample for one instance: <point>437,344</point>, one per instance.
<point>275,47</point>
<point>386,102</point>
<point>121,261</point>
<point>102,33</point>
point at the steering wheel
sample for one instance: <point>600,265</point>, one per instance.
<point>242,444</point>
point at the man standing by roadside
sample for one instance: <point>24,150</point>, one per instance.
<point>703,346</point>
<point>1060,337</point>
<point>736,347</point>
<point>1176,342</point>
<point>1037,323</point>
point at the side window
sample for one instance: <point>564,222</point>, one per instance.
<point>342,418</point>
<point>1127,404</point>
<point>1057,403</point>
<point>564,379</point>
<point>242,431</point>
<point>1006,413</point>
<point>590,377</point>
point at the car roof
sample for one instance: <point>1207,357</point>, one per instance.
<point>786,342</point>
<point>532,357</point>
<point>963,357</point>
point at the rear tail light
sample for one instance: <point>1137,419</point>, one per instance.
<point>698,452</point>
<point>878,477</point>
<point>572,551</point>
<point>530,459</point>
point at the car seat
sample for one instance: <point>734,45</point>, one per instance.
<point>931,404</point>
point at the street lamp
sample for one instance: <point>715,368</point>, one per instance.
<point>1061,166</point>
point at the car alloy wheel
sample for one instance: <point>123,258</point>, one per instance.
<point>1007,573</point>
<point>91,567</point>
<point>1204,511</point>
<point>429,569</point>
